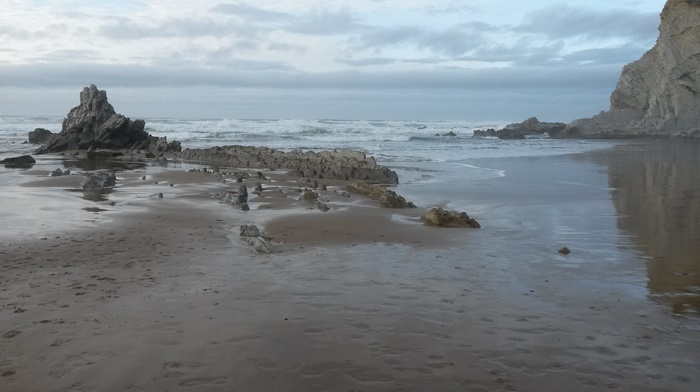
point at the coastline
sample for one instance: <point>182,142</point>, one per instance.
<point>162,294</point>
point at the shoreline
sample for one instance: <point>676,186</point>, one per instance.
<point>162,294</point>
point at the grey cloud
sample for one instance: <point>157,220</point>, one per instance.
<point>371,61</point>
<point>125,28</point>
<point>67,74</point>
<point>254,13</point>
<point>327,23</point>
<point>567,21</point>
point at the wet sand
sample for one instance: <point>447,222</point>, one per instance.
<point>160,294</point>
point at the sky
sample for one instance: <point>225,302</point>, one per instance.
<point>310,59</point>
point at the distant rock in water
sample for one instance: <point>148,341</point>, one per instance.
<point>530,127</point>
<point>39,135</point>
<point>659,94</point>
<point>94,124</point>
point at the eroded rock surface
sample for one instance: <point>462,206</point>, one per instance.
<point>444,218</point>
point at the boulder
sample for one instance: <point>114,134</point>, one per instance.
<point>99,180</point>
<point>444,218</point>
<point>95,124</point>
<point>659,94</point>
<point>39,135</point>
<point>20,161</point>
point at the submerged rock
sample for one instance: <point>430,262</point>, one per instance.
<point>444,218</point>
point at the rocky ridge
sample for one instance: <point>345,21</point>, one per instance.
<point>335,164</point>
<point>659,94</point>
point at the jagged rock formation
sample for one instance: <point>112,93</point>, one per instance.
<point>530,127</point>
<point>444,218</point>
<point>94,124</point>
<point>336,164</point>
<point>659,94</point>
<point>387,198</point>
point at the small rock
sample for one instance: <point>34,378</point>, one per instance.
<point>258,187</point>
<point>250,231</point>
<point>322,206</point>
<point>443,218</point>
<point>324,187</point>
<point>160,195</point>
<point>564,251</point>
<point>309,195</point>
<point>24,160</point>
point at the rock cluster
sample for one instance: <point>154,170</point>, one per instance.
<point>444,218</point>
<point>94,124</point>
<point>386,197</point>
<point>252,235</point>
<point>335,164</point>
<point>659,94</point>
<point>239,198</point>
<point>530,127</point>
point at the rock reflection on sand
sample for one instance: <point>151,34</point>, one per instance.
<point>655,193</point>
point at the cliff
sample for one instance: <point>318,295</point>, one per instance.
<point>659,94</point>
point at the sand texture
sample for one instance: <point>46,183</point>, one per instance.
<point>128,291</point>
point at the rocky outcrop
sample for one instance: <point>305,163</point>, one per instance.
<point>444,218</point>
<point>335,164</point>
<point>530,127</point>
<point>94,124</point>
<point>386,197</point>
<point>21,161</point>
<point>39,135</point>
<point>659,94</point>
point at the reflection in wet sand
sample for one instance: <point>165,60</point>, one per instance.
<point>656,191</point>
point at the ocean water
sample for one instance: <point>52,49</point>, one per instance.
<point>410,147</point>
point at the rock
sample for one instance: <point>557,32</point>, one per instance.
<point>335,164</point>
<point>565,251</point>
<point>58,173</point>
<point>386,197</point>
<point>444,218</point>
<point>530,127</point>
<point>99,180</point>
<point>39,135</point>
<point>450,133</point>
<point>242,194</point>
<point>259,244</point>
<point>309,195</point>
<point>324,187</point>
<point>95,124</point>
<point>322,206</point>
<point>659,94</point>
<point>250,231</point>
<point>20,161</point>
<point>258,187</point>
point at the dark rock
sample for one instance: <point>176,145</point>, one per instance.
<point>99,180</point>
<point>336,164</point>
<point>322,206</point>
<point>258,187</point>
<point>250,231</point>
<point>450,133</point>
<point>58,173</point>
<point>39,135</point>
<point>530,127</point>
<point>324,187</point>
<point>565,251</point>
<point>95,124</point>
<point>444,218</point>
<point>386,197</point>
<point>309,195</point>
<point>20,161</point>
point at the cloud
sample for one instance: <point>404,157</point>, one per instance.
<point>568,21</point>
<point>250,12</point>
<point>327,23</point>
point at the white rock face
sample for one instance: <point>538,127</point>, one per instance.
<point>659,94</point>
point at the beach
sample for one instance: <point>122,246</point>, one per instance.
<point>152,293</point>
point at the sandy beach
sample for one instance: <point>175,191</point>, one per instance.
<point>132,292</point>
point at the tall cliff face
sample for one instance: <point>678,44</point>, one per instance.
<point>659,94</point>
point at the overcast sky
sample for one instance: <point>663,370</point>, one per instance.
<point>362,59</point>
